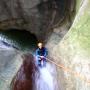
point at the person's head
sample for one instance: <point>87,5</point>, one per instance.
<point>40,45</point>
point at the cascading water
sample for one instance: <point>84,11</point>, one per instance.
<point>46,78</point>
<point>30,77</point>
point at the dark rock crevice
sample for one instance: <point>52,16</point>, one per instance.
<point>19,39</point>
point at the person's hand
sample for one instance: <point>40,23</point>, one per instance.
<point>42,56</point>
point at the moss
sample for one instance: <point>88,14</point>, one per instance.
<point>78,3</point>
<point>79,33</point>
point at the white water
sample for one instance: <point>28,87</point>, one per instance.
<point>46,79</point>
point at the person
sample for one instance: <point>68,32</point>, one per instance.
<point>41,54</point>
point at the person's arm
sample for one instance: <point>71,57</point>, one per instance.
<point>46,52</point>
<point>37,55</point>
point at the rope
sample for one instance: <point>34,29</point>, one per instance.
<point>82,77</point>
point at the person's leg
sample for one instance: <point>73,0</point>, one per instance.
<point>44,62</point>
<point>37,61</point>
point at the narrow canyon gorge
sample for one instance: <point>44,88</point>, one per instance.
<point>63,26</point>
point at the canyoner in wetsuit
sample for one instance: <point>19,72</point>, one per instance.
<point>41,54</point>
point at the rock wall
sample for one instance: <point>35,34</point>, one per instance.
<point>52,24</point>
<point>10,62</point>
<point>73,51</point>
<point>36,16</point>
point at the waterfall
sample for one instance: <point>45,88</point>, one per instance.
<point>46,78</point>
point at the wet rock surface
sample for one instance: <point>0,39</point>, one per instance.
<point>10,61</point>
<point>73,52</point>
<point>36,16</point>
